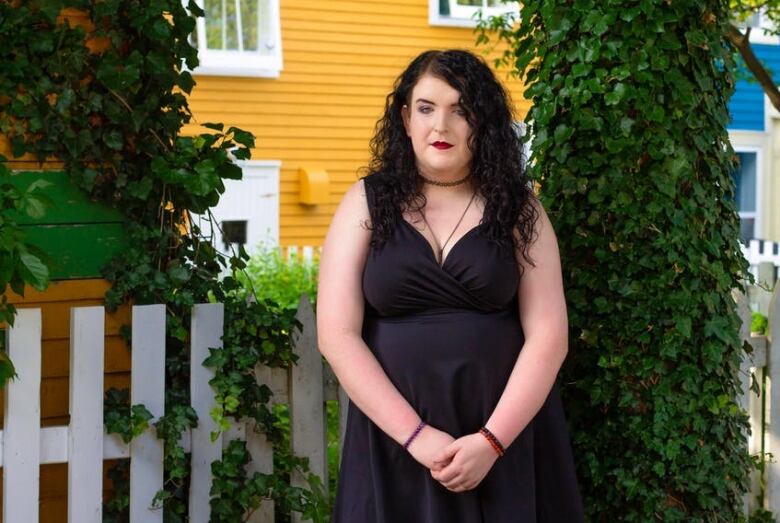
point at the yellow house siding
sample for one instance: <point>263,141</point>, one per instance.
<point>340,60</point>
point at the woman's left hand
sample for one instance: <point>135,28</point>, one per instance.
<point>470,459</point>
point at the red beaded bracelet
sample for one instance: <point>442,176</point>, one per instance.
<point>497,446</point>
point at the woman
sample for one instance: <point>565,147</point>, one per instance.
<point>441,310</point>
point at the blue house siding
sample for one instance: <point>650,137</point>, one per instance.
<point>747,104</point>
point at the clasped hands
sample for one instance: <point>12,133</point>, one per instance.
<point>458,464</point>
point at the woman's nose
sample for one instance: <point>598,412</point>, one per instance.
<point>440,123</point>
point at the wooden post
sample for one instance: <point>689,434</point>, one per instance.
<point>307,419</point>
<point>773,432</point>
<point>749,401</point>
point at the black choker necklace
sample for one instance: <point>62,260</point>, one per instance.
<point>445,184</point>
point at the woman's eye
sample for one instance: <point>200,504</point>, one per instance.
<point>424,109</point>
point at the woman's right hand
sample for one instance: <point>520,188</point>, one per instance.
<point>427,444</point>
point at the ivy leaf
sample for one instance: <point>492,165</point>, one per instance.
<point>140,188</point>
<point>684,326</point>
<point>37,273</point>
<point>186,82</point>
<point>242,137</point>
<point>35,206</point>
<point>178,275</point>
<point>7,370</point>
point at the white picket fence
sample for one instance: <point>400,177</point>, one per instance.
<point>24,445</point>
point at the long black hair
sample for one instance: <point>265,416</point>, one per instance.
<point>496,167</point>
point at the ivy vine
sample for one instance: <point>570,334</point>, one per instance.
<point>105,94</point>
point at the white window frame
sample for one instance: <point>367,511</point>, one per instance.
<point>758,150</point>
<point>218,62</point>
<point>465,16</point>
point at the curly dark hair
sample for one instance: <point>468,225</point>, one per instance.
<point>496,167</point>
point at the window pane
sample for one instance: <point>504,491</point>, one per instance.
<point>220,24</point>
<point>249,23</point>
<point>745,181</point>
<point>223,23</point>
<point>747,227</point>
<point>470,2</point>
<point>496,3</point>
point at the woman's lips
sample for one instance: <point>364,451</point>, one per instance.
<point>442,145</point>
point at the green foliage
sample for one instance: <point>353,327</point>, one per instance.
<point>234,494</point>
<point>116,509</point>
<point>630,149</point>
<point>334,457</point>
<point>114,119</point>
<point>759,323</point>
<point>254,335</point>
<point>122,419</point>
<point>273,279</point>
<point>20,262</point>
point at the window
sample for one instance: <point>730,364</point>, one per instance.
<point>233,232</point>
<point>239,38</point>
<point>465,13</point>
<point>746,181</point>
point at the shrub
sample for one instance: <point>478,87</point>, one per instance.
<point>280,281</point>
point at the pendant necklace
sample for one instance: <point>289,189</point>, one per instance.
<point>436,241</point>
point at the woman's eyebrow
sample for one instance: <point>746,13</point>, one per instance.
<point>423,100</point>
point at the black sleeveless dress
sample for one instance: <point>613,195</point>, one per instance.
<point>448,338</point>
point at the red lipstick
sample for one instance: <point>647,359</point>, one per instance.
<point>442,145</point>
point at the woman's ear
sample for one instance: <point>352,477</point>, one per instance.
<point>405,117</point>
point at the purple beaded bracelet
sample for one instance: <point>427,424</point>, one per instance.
<point>414,434</point>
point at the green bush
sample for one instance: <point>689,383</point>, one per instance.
<point>759,323</point>
<point>275,280</point>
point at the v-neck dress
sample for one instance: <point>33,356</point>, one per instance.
<point>448,337</point>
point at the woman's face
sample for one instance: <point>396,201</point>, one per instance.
<point>436,124</point>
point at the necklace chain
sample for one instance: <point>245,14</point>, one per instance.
<point>444,184</point>
<point>439,258</point>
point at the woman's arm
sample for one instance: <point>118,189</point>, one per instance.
<point>339,326</point>
<point>542,308</point>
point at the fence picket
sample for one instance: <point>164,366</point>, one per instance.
<point>148,389</point>
<point>262,454</point>
<point>85,437</point>
<point>772,436</point>
<point>307,421</point>
<point>22,428</point>
<point>207,325</point>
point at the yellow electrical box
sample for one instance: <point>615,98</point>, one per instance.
<point>314,186</point>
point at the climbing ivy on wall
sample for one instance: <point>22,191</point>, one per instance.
<point>103,91</point>
<point>630,149</point>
